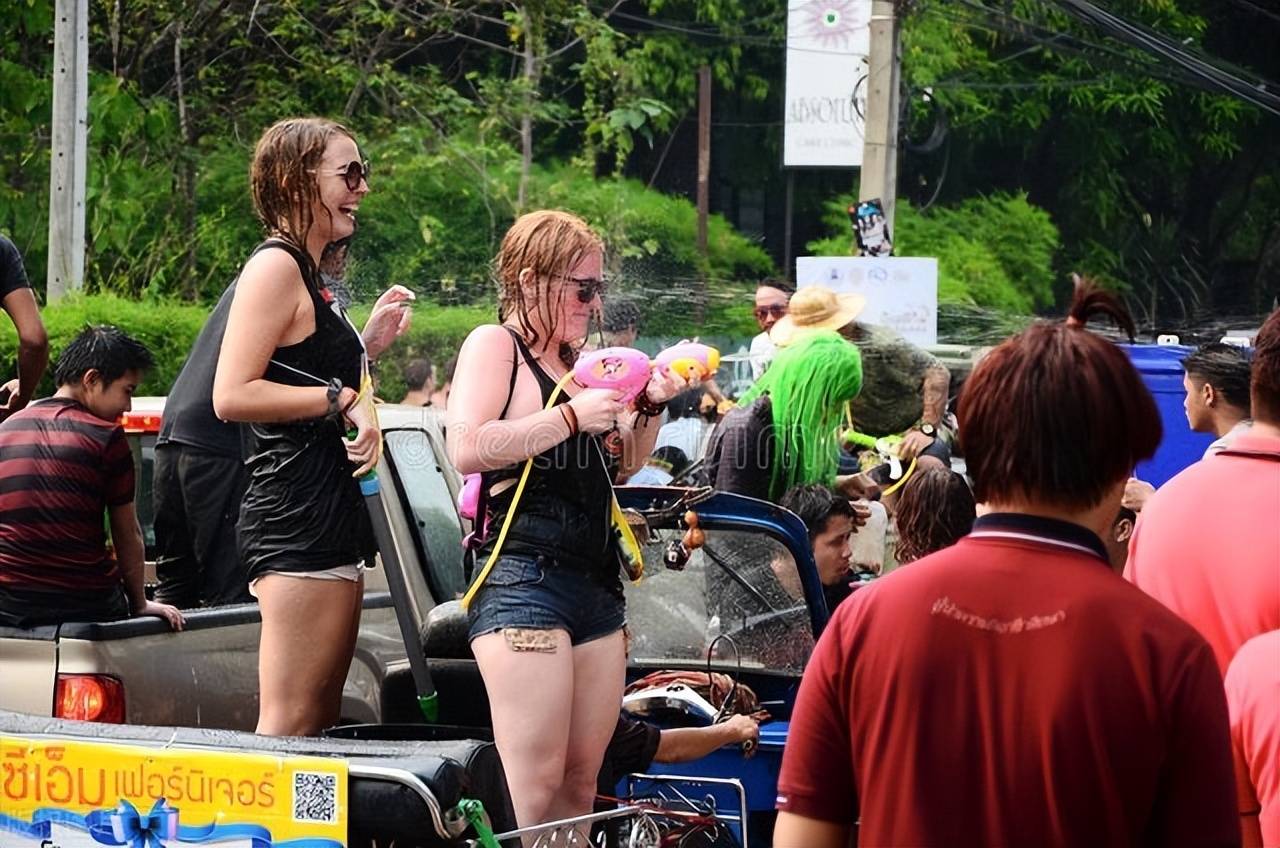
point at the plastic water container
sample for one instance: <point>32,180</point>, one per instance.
<point>1161,370</point>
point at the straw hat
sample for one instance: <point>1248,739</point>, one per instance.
<point>815,308</point>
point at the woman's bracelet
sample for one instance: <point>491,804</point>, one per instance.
<point>570,419</point>
<point>646,407</point>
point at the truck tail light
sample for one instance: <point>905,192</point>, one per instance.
<point>89,697</point>
<point>140,422</point>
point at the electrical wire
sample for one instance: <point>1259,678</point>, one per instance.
<point>1157,44</point>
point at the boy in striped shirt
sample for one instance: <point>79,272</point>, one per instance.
<point>64,462</point>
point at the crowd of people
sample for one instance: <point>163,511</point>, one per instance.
<point>1045,664</point>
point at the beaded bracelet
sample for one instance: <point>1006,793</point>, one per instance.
<point>647,407</point>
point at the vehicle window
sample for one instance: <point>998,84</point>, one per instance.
<point>144,463</point>
<point>434,513</point>
<point>741,584</point>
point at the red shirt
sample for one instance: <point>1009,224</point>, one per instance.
<point>1207,545</point>
<point>1012,689</point>
<point>1253,698</point>
<point>60,468</point>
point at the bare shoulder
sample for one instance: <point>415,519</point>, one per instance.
<point>271,272</point>
<point>487,341</point>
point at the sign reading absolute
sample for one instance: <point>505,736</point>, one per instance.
<point>828,42</point>
<point>79,794</point>
<point>901,291</point>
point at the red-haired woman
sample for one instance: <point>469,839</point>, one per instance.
<point>290,368</point>
<point>546,623</point>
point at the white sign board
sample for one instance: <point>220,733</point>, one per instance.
<point>901,291</point>
<point>828,42</point>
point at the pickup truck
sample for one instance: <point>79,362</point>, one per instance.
<point>137,671</point>
<point>747,603</point>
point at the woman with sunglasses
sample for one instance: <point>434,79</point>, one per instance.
<point>546,622</point>
<point>291,368</point>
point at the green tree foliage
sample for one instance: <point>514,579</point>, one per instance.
<point>474,111</point>
<point>1162,188</point>
<point>995,252</point>
<point>185,88</point>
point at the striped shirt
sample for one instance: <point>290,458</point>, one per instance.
<point>60,468</point>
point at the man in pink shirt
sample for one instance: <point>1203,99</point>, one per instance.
<point>1207,544</point>
<point>1253,699</point>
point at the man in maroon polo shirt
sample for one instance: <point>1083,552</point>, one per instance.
<point>1013,689</point>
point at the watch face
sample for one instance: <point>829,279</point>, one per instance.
<point>928,429</point>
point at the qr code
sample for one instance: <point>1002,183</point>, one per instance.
<point>315,797</point>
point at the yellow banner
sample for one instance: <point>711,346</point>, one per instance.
<point>99,793</point>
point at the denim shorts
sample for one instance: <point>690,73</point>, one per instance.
<point>533,593</point>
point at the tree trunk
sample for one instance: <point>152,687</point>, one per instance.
<point>186,173</point>
<point>366,67</point>
<point>526,112</point>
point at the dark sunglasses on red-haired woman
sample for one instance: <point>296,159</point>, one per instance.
<point>588,288</point>
<point>352,175</point>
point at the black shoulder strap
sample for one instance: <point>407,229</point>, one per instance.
<point>310,277</point>
<point>520,350</point>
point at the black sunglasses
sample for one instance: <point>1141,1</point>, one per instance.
<point>588,288</point>
<point>353,174</point>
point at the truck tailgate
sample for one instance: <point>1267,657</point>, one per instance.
<point>29,658</point>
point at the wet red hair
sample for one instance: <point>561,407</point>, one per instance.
<point>1057,415</point>
<point>1264,382</point>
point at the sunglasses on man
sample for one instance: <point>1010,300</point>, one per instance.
<point>776,310</point>
<point>353,174</point>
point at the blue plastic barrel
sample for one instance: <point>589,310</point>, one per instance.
<point>1161,370</point>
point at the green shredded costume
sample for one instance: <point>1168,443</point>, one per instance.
<point>808,384</point>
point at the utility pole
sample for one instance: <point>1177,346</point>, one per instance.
<point>70,137</point>
<point>704,155</point>
<point>879,176</point>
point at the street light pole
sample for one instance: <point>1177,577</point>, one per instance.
<point>879,176</point>
<point>68,153</point>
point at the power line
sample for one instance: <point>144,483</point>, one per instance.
<point>1160,45</point>
<point>1001,22</point>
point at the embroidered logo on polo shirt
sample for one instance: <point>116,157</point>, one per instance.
<point>946,606</point>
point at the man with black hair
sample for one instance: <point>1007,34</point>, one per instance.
<point>1208,544</point>
<point>1217,385</point>
<point>17,299</point>
<point>64,461</point>
<point>620,322</point>
<point>830,520</point>
<point>420,382</point>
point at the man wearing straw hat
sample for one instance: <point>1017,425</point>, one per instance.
<point>904,388</point>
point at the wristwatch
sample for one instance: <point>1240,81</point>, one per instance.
<point>331,393</point>
<point>929,430</point>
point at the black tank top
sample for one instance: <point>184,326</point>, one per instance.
<point>188,410</point>
<point>303,510</point>
<point>564,513</point>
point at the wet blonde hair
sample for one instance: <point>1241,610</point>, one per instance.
<point>282,178</point>
<point>550,243</point>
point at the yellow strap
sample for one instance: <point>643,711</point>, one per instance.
<point>631,548</point>
<point>901,480</point>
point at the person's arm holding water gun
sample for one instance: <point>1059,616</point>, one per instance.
<point>640,431</point>
<point>477,440</point>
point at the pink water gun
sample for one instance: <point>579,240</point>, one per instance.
<point>627,370</point>
<point>623,369</point>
